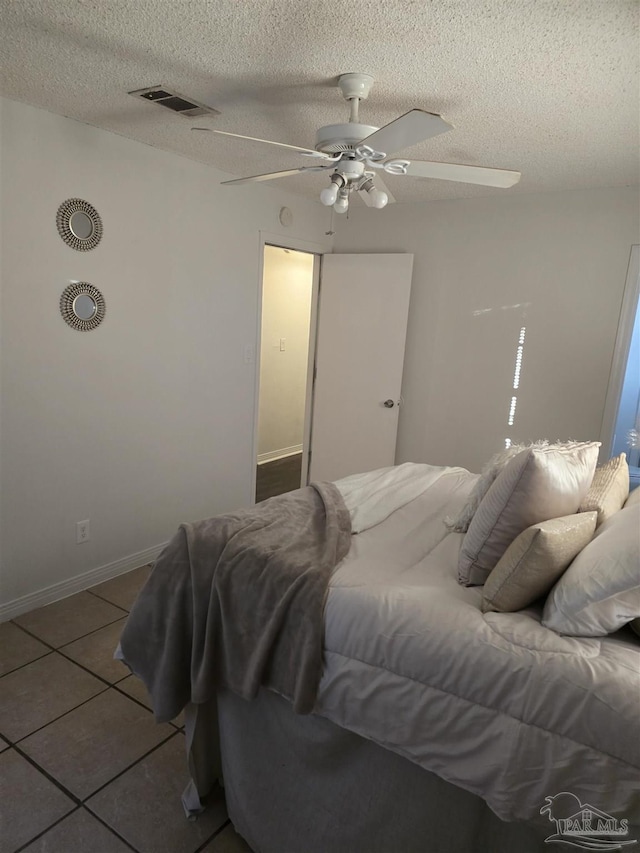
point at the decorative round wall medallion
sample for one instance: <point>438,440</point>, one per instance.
<point>82,306</point>
<point>285,217</point>
<point>79,224</point>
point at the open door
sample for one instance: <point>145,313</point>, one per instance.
<point>289,285</point>
<point>361,332</point>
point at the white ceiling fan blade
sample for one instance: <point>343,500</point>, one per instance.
<point>300,149</point>
<point>268,176</point>
<point>483,175</point>
<point>410,128</point>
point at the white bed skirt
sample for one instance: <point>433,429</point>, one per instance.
<point>301,784</point>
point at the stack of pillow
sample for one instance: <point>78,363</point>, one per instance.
<point>542,519</point>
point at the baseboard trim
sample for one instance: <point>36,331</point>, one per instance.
<point>272,455</point>
<point>63,589</point>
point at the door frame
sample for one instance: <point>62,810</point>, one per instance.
<point>266,238</point>
<point>626,322</point>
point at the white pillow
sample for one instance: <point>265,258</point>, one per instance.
<point>490,471</point>
<point>600,591</point>
<point>488,474</point>
<point>536,485</point>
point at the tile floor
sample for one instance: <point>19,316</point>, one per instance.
<point>84,768</point>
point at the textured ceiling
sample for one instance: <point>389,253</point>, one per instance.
<point>547,87</point>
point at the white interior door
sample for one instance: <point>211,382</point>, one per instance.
<point>362,326</point>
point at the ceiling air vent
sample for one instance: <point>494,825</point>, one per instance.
<point>174,102</point>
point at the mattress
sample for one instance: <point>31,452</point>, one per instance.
<point>494,703</point>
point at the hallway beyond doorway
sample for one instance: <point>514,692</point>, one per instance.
<point>278,476</point>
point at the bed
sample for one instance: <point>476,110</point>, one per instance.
<point>435,725</point>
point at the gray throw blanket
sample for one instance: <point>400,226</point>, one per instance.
<point>237,601</point>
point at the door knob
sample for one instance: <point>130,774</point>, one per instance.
<point>389,404</point>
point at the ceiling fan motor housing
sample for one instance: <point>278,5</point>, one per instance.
<point>355,85</point>
<point>334,138</point>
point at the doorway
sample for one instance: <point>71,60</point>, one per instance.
<point>285,343</point>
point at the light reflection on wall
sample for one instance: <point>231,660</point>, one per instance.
<point>524,305</point>
<point>516,382</point>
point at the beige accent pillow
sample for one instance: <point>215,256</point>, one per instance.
<point>535,560</point>
<point>634,497</point>
<point>609,488</point>
<point>538,484</point>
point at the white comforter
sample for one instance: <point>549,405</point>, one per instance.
<point>494,703</point>
<point>372,497</point>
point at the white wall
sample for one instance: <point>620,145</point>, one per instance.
<point>286,313</point>
<point>147,421</point>
<point>554,263</point>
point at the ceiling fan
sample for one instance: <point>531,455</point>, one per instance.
<point>357,154</point>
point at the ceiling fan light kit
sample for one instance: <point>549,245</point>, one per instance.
<point>374,197</point>
<point>356,153</point>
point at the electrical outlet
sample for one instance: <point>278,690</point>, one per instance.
<point>82,531</point>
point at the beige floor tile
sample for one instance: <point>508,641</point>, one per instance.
<point>95,652</point>
<point>18,648</point>
<point>124,589</point>
<point>143,805</point>
<point>78,833</point>
<point>36,694</point>
<point>228,841</point>
<point>89,746</point>
<point>69,619</point>
<point>3,744</point>
<point>134,687</point>
<point>29,802</point>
